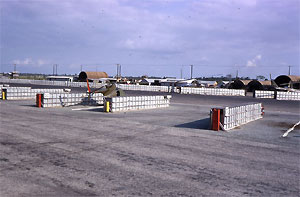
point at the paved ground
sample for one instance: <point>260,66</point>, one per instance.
<point>161,152</point>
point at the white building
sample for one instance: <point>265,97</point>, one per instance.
<point>223,84</point>
<point>147,81</point>
<point>187,83</point>
<point>60,78</point>
<point>207,84</point>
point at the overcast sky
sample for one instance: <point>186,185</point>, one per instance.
<point>156,38</point>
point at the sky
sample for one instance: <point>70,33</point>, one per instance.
<point>151,37</point>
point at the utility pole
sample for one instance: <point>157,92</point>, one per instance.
<point>15,67</point>
<point>118,70</point>
<point>53,69</point>
<point>191,71</point>
<point>237,74</point>
<point>80,68</point>
<point>56,65</point>
<point>290,70</point>
<point>181,73</point>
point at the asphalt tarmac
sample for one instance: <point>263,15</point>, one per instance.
<point>158,152</point>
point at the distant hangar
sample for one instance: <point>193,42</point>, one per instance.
<point>288,80</point>
<point>84,75</point>
<point>291,81</point>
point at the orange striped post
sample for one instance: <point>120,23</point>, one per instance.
<point>262,110</point>
<point>216,119</point>
<point>39,100</point>
<point>88,85</point>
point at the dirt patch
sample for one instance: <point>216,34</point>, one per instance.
<point>89,184</point>
<point>285,125</point>
<point>9,143</point>
<point>4,159</point>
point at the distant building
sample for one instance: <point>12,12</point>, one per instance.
<point>292,81</point>
<point>239,84</point>
<point>14,74</point>
<point>134,81</point>
<point>123,80</point>
<point>91,76</point>
<point>223,84</point>
<point>187,83</point>
<point>207,84</point>
<point>106,80</point>
<point>258,85</point>
<point>60,78</point>
<point>147,81</point>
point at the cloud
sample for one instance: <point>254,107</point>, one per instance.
<point>254,61</point>
<point>203,59</point>
<point>26,61</point>
<point>258,57</point>
<point>213,3</point>
<point>41,62</point>
<point>29,62</point>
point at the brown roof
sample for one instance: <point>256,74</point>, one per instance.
<point>92,75</point>
<point>245,82</point>
<point>265,83</point>
<point>294,78</point>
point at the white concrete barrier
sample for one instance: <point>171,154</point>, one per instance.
<point>213,91</point>
<point>3,90</point>
<point>54,83</point>
<point>264,94</point>
<point>117,104</point>
<point>65,99</point>
<point>15,88</point>
<point>292,96</point>
<point>239,115</point>
<point>26,93</point>
<point>144,88</point>
<point>231,117</point>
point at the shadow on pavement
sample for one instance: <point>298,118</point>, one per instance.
<point>29,105</point>
<point>198,124</point>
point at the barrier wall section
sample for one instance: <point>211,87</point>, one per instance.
<point>54,83</point>
<point>117,104</point>
<point>264,94</point>
<point>3,90</point>
<point>213,91</point>
<point>232,117</point>
<point>65,99</point>
<point>294,96</point>
<point>19,94</point>
<point>144,88</point>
